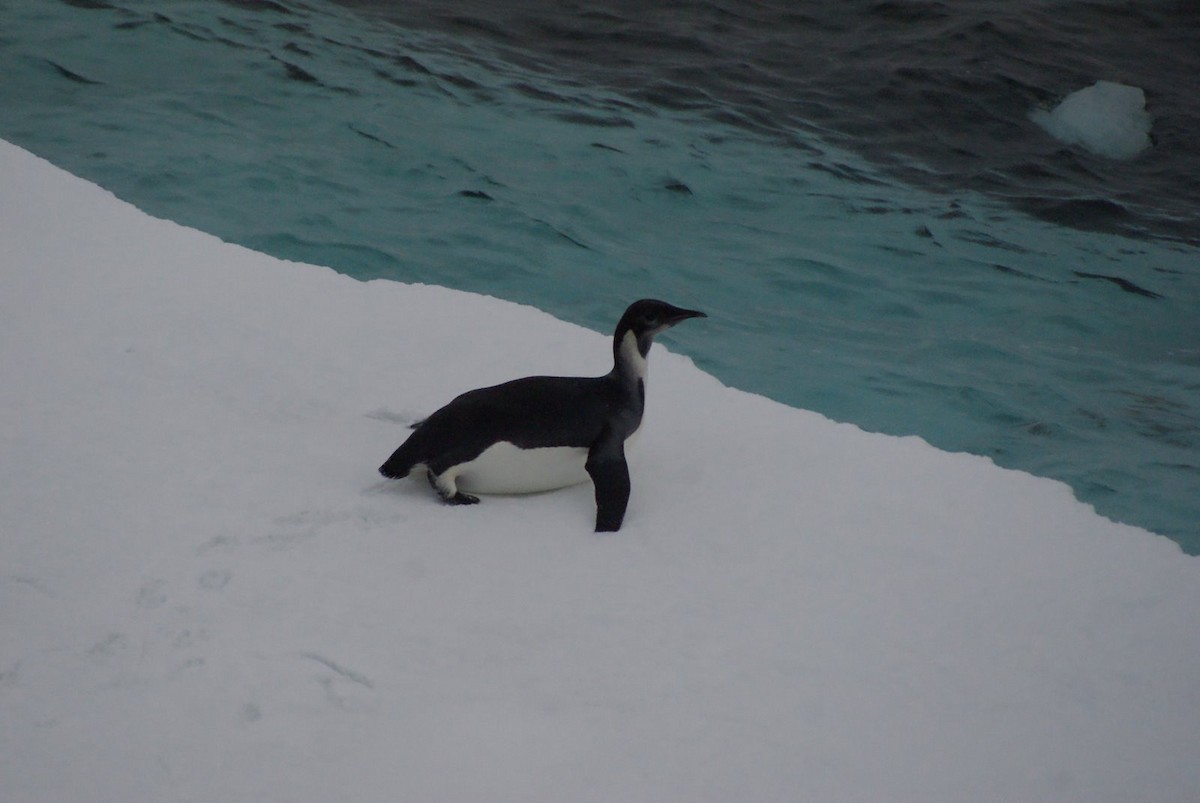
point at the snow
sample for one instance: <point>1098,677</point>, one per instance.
<point>207,593</point>
<point>1107,118</point>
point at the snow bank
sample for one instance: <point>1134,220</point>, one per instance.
<point>206,593</point>
<point>1106,118</point>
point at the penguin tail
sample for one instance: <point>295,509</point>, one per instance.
<point>414,450</point>
<point>398,465</point>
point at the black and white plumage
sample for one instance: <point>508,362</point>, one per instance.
<point>544,432</point>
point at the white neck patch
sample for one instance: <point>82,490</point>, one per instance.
<point>631,357</point>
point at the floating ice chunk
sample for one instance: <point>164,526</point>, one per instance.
<point>1106,118</point>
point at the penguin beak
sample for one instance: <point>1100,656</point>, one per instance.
<point>679,315</point>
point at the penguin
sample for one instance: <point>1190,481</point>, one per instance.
<point>544,432</point>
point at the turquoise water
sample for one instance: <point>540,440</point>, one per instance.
<point>312,134</point>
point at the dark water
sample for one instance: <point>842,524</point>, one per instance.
<point>937,92</point>
<point>853,191</point>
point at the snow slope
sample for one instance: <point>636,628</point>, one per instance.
<point>207,593</point>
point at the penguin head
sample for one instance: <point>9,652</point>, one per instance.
<point>646,318</point>
<point>649,317</point>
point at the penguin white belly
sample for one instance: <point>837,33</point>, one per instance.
<point>505,469</point>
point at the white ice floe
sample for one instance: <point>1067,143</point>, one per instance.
<point>1108,119</point>
<point>207,593</point>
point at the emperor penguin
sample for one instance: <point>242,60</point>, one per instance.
<point>544,432</point>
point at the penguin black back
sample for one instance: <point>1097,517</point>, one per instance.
<point>544,432</point>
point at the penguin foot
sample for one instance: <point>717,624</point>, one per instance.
<point>450,494</point>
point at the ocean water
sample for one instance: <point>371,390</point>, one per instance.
<point>854,192</point>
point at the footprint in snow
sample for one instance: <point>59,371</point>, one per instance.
<point>214,579</point>
<point>151,594</point>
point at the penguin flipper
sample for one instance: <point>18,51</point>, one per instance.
<point>610,475</point>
